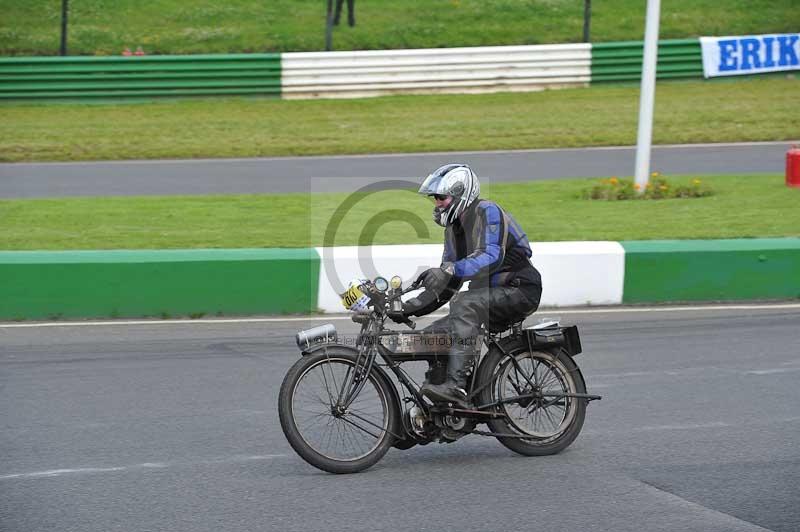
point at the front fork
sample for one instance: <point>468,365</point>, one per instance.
<point>357,376</point>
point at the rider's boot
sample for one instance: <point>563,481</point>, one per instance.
<point>454,388</point>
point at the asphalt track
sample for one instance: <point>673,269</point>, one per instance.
<point>173,426</point>
<point>349,173</point>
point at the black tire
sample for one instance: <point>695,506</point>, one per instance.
<point>561,422</point>
<point>304,392</point>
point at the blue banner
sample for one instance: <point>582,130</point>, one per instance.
<point>750,54</point>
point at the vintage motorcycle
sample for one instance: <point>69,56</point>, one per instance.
<point>341,412</point>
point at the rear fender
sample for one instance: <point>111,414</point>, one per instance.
<point>512,345</point>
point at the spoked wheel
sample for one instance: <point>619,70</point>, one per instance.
<point>325,432</point>
<point>531,395</point>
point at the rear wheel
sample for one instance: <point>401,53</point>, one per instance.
<point>330,437</point>
<point>544,419</point>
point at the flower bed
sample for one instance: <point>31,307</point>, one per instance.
<point>659,187</point>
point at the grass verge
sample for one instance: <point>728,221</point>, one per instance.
<point>686,112</point>
<point>208,26</point>
<point>743,206</point>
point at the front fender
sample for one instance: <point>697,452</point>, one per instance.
<point>336,346</point>
<point>379,371</point>
<point>316,347</point>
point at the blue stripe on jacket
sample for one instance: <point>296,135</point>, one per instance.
<point>485,259</point>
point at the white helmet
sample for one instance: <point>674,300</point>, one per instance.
<point>457,180</point>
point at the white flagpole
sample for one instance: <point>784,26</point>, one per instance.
<point>647,96</point>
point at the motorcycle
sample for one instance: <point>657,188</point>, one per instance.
<point>341,412</point>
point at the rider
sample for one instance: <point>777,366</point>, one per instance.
<point>482,244</point>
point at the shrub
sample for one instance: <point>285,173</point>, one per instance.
<point>614,189</point>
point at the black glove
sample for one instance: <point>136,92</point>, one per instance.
<point>411,306</point>
<point>436,279</point>
<point>397,316</point>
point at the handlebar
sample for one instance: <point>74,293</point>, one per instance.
<point>382,299</point>
<point>413,286</point>
<point>398,317</point>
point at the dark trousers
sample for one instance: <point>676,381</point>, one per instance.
<point>473,308</point>
<point>351,12</point>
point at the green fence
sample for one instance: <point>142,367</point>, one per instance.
<point>160,283</point>
<point>164,283</point>
<point>125,78</point>
<point>622,61</point>
<point>63,78</point>
<point>711,270</point>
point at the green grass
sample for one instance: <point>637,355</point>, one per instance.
<point>208,26</point>
<point>743,206</point>
<point>686,112</point>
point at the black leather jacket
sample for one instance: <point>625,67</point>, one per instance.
<point>487,247</point>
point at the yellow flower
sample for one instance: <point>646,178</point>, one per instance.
<point>655,174</point>
<point>614,180</point>
<point>696,181</point>
<point>637,186</point>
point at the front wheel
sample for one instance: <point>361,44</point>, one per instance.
<point>326,435</point>
<point>531,389</point>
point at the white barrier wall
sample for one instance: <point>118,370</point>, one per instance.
<point>341,264</point>
<point>580,273</point>
<point>573,273</point>
<point>479,69</point>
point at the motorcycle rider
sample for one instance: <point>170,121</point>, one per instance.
<point>483,244</point>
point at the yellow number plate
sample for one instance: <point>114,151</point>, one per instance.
<point>352,295</point>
